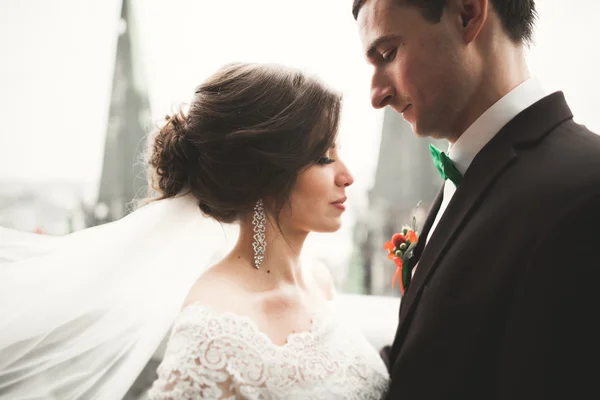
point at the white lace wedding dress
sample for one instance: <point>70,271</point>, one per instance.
<point>215,355</point>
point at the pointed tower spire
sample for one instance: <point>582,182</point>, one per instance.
<point>123,176</point>
<point>405,176</point>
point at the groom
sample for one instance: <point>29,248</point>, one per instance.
<point>503,300</point>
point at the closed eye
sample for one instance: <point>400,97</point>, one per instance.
<point>325,160</point>
<point>389,56</point>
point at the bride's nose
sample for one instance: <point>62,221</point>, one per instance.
<point>344,177</point>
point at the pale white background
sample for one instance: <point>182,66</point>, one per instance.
<point>57,62</point>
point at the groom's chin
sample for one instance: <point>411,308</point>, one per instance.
<point>426,133</point>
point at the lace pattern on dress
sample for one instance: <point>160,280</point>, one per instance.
<point>214,355</point>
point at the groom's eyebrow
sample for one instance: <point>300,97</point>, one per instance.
<point>372,49</point>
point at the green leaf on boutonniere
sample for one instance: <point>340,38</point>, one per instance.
<point>411,247</point>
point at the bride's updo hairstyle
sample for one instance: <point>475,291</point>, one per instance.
<point>249,130</point>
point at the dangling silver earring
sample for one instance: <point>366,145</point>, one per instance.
<point>259,222</point>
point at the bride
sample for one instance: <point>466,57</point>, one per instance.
<point>256,148</point>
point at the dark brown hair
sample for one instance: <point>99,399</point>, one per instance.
<point>249,131</point>
<point>517,16</point>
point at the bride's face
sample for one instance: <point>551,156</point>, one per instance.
<point>316,203</point>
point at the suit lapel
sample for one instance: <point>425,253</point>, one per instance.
<point>529,126</point>
<point>475,183</point>
<point>435,207</point>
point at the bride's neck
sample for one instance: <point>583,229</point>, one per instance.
<point>282,256</point>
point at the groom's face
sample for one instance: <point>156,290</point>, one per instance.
<point>419,67</point>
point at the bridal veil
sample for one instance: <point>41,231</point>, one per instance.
<point>81,315</point>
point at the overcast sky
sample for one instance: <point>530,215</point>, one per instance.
<point>57,61</point>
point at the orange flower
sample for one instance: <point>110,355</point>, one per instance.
<point>389,246</point>
<point>412,236</point>
<point>398,239</point>
<point>398,262</point>
<point>401,248</point>
<point>398,274</point>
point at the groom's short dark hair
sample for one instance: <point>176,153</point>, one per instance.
<point>517,16</point>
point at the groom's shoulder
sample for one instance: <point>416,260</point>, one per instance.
<point>562,165</point>
<point>579,136</point>
<point>569,152</point>
<point>576,147</point>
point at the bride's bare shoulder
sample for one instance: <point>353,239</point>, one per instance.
<point>217,288</point>
<point>323,278</point>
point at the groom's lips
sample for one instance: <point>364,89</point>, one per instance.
<point>406,107</point>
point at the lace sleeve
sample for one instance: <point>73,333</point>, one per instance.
<point>189,370</point>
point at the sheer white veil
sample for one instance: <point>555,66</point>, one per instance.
<point>81,315</point>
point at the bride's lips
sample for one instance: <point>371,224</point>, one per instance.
<point>406,107</point>
<point>340,203</point>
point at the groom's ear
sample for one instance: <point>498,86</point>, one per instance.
<point>470,16</point>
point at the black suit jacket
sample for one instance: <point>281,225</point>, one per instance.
<point>505,299</point>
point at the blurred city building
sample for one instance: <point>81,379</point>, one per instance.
<point>62,207</point>
<point>123,174</point>
<point>405,178</point>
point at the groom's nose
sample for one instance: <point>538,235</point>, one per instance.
<point>382,92</point>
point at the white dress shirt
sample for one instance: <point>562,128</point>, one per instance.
<point>464,150</point>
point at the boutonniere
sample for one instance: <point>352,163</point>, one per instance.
<point>400,250</point>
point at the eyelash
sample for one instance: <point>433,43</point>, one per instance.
<point>325,160</point>
<point>389,56</point>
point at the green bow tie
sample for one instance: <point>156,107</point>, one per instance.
<point>445,165</point>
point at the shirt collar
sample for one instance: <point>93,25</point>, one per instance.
<point>464,150</point>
